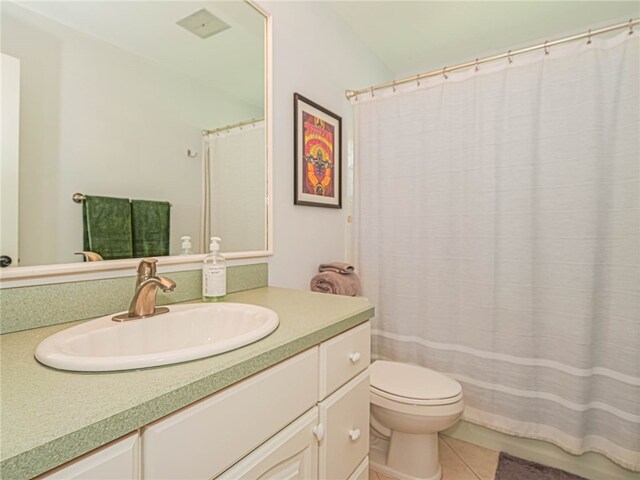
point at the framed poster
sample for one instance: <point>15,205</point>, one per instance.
<point>317,170</point>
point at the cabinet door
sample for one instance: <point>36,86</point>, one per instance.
<point>292,455</point>
<point>345,418</point>
<point>117,459</point>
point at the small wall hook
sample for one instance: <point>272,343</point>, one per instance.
<point>191,153</point>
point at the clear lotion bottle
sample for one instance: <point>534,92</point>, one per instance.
<point>214,274</point>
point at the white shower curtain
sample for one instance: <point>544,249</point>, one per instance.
<point>238,187</point>
<point>498,238</point>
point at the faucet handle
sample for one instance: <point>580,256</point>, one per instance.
<point>146,269</point>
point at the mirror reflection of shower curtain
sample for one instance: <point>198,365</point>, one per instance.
<point>237,180</point>
<point>205,220</point>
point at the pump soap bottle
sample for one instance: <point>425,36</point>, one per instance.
<point>214,274</point>
<point>186,245</point>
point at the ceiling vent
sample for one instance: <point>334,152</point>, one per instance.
<point>203,23</point>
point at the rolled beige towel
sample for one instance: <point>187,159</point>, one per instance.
<point>336,283</point>
<point>338,267</point>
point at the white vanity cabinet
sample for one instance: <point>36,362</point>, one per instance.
<point>204,439</point>
<point>330,441</point>
<point>305,418</point>
<point>118,459</point>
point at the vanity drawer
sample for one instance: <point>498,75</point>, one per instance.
<point>343,357</point>
<point>202,440</point>
<point>345,418</point>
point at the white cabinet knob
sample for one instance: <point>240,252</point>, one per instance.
<point>354,357</point>
<point>318,431</point>
<point>354,434</point>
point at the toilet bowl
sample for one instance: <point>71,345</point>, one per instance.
<point>409,406</point>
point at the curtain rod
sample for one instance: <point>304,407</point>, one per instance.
<point>234,125</point>
<point>478,61</point>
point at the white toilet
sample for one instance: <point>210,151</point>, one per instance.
<point>409,406</point>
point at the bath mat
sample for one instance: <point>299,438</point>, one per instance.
<point>514,468</point>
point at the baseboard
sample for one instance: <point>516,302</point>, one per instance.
<point>590,465</point>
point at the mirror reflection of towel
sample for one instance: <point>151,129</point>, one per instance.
<point>150,223</point>
<point>107,226</point>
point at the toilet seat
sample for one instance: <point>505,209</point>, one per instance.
<point>413,385</point>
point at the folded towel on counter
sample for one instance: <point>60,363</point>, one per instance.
<point>107,227</point>
<point>336,283</point>
<point>150,228</point>
<point>338,267</point>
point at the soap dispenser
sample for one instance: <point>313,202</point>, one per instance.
<point>186,245</point>
<point>214,274</point>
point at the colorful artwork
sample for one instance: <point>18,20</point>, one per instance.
<point>317,161</point>
<point>318,156</point>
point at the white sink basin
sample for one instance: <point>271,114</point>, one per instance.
<point>185,333</point>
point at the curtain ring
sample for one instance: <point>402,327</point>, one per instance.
<point>509,57</point>
<point>355,97</point>
<point>418,79</point>
<point>444,73</point>
<point>631,26</point>
<point>589,41</point>
<point>394,86</point>
<point>546,50</point>
<point>371,90</point>
<point>477,68</point>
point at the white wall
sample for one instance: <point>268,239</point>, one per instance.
<point>99,120</point>
<point>318,56</point>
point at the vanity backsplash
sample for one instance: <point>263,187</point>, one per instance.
<point>24,308</point>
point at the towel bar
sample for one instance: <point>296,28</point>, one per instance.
<point>79,198</point>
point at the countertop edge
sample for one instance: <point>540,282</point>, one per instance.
<point>72,445</point>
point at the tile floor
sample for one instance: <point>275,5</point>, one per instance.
<point>460,461</point>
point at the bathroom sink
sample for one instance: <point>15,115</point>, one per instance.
<point>185,333</point>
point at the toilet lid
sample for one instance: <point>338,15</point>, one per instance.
<point>412,382</point>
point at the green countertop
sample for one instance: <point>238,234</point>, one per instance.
<point>49,416</point>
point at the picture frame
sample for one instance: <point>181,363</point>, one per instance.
<point>317,143</point>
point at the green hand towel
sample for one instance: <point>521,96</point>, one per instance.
<point>150,226</point>
<point>107,226</point>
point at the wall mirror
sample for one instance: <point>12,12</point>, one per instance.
<point>141,119</point>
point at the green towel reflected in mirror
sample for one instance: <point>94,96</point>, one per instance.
<point>107,227</point>
<point>118,228</point>
<point>150,223</point>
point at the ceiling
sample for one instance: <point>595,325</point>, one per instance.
<point>413,37</point>
<point>231,61</point>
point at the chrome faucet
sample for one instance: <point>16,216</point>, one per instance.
<point>143,303</point>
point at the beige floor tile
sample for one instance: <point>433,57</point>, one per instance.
<point>447,455</point>
<point>457,472</point>
<point>453,468</point>
<point>482,461</point>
